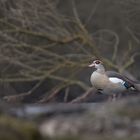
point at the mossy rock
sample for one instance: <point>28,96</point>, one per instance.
<point>15,129</point>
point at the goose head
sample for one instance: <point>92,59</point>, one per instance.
<point>96,64</point>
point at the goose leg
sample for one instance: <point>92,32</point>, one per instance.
<point>112,97</point>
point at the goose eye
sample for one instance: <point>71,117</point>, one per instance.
<point>97,62</point>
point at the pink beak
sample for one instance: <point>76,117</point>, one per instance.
<point>91,65</point>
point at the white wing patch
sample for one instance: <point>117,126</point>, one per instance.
<point>116,80</point>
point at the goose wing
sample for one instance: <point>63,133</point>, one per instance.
<point>118,77</point>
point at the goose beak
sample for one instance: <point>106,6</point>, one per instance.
<point>91,65</point>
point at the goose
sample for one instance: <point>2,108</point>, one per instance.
<point>110,82</point>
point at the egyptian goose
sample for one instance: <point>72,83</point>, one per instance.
<point>109,82</point>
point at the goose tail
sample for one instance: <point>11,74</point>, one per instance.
<point>137,87</point>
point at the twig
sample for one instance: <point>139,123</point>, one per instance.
<point>84,96</point>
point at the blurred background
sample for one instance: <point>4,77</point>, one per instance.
<point>46,46</point>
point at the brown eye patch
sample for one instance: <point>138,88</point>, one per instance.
<point>97,62</point>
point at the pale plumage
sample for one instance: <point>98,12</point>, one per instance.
<point>109,82</point>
